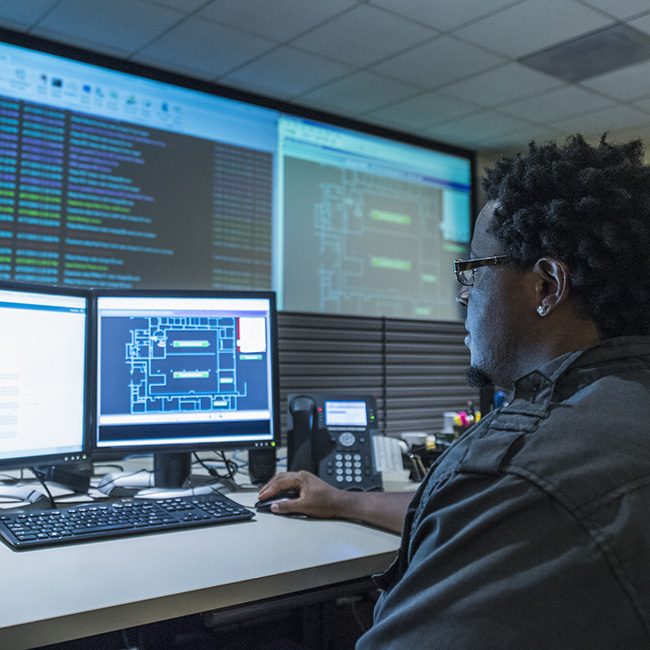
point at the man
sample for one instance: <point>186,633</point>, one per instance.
<point>533,530</point>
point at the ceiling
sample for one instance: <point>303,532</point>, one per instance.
<point>450,70</point>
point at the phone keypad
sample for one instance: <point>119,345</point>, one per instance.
<point>348,467</point>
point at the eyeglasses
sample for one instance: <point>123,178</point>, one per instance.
<point>466,269</point>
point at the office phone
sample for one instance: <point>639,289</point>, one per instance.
<point>331,436</point>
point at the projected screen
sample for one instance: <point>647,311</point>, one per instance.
<point>370,226</point>
<point>116,181</point>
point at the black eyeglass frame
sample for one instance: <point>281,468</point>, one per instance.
<point>460,266</point>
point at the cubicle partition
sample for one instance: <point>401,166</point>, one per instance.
<point>414,368</point>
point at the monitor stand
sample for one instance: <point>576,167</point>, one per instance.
<point>172,469</point>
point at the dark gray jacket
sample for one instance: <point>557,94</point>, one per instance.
<point>533,531</point>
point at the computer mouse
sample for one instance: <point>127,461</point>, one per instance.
<point>282,495</point>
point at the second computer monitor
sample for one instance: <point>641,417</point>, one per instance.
<point>43,348</point>
<point>182,372</point>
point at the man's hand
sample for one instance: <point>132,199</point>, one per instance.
<point>323,501</point>
<point>317,498</point>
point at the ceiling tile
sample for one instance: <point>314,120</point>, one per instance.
<point>280,20</point>
<point>443,15</point>
<point>439,62</point>
<point>426,109</point>
<point>22,15</point>
<point>518,141</point>
<point>642,23</point>
<point>533,25</point>
<point>126,25</point>
<point>501,85</point>
<point>484,124</point>
<point>181,5</point>
<point>643,104</point>
<point>476,130</point>
<point>624,84</point>
<point>286,72</point>
<point>622,9</point>
<point>359,93</point>
<point>203,48</point>
<point>556,104</point>
<point>609,119</point>
<point>363,35</point>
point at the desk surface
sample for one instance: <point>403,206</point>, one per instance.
<point>57,594</point>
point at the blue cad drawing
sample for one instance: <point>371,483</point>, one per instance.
<point>183,363</point>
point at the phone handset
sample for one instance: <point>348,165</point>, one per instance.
<point>301,424</point>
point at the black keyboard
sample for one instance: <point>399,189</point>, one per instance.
<point>94,521</point>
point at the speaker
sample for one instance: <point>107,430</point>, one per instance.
<point>261,464</point>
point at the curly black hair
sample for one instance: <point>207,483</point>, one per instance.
<point>588,206</point>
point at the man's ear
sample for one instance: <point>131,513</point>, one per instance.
<point>552,284</point>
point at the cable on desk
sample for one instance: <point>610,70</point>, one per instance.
<point>231,467</point>
<point>113,480</point>
<point>119,467</point>
<point>40,477</point>
<point>241,462</point>
<point>22,497</point>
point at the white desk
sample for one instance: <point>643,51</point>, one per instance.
<point>57,594</point>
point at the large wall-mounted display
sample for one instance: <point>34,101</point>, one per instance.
<point>115,180</point>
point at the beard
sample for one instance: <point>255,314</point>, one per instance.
<point>478,378</point>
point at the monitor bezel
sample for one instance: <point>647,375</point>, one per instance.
<point>116,451</point>
<point>64,458</point>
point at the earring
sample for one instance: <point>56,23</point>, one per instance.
<point>542,309</point>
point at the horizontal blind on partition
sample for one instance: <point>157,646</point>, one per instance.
<point>323,353</point>
<point>415,369</point>
<point>425,374</point>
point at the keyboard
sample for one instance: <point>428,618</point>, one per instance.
<point>95,521</point>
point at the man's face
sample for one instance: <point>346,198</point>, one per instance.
<point>499,310</point>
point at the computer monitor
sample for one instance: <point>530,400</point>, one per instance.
<point>44,352</point>
<point>180,372</point>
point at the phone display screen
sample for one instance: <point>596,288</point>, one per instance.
<point>349,414</point>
